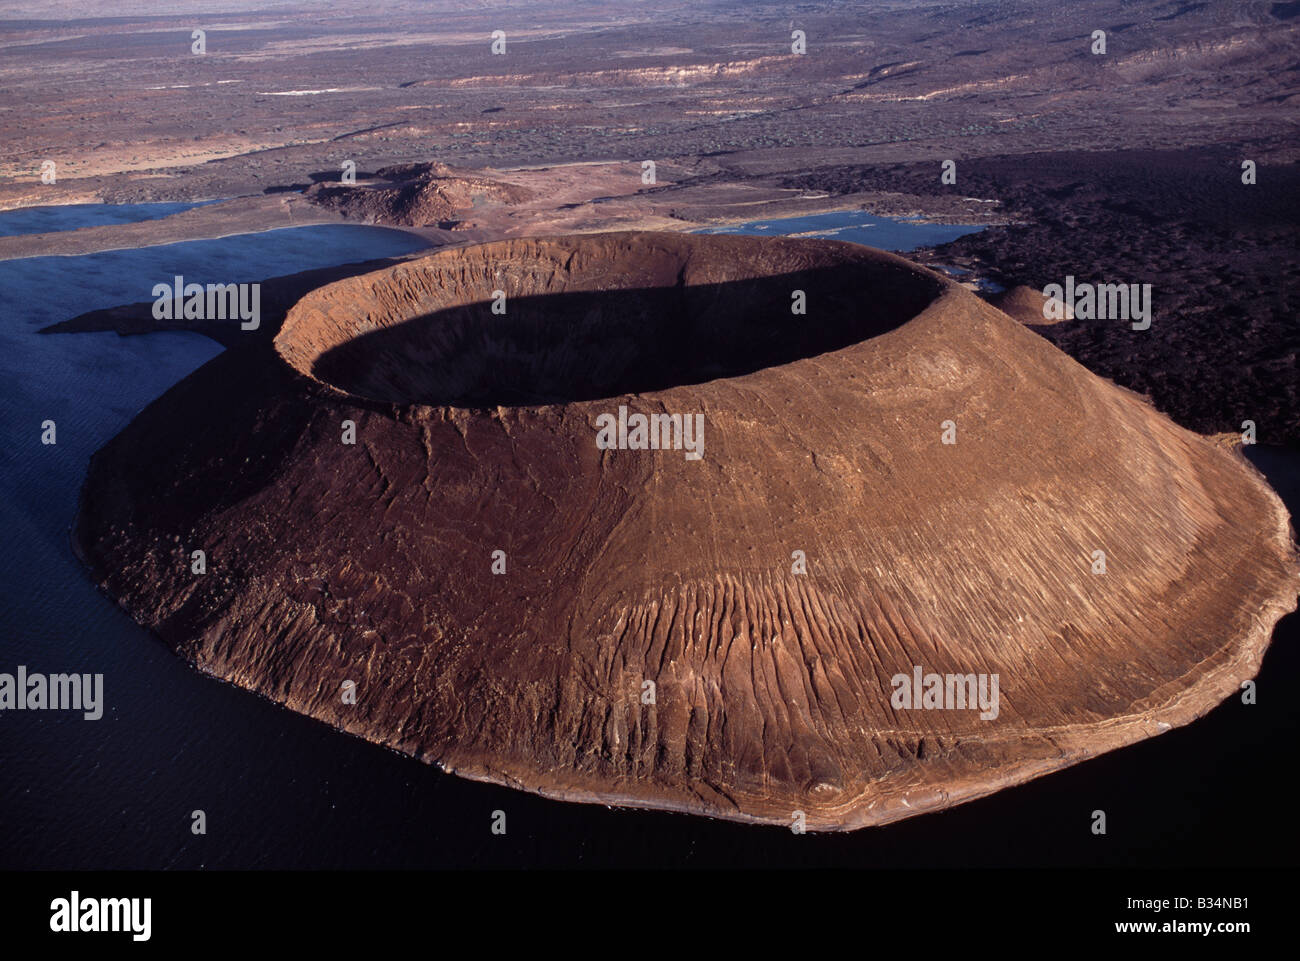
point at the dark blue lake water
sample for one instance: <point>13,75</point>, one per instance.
<point>282,791</point>
<point>41,220</point>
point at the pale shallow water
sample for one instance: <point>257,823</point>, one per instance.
<point>281,790</point>
<point>886,233</point>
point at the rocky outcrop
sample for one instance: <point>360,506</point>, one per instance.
<point>900,478</point>
<point>420,195</point>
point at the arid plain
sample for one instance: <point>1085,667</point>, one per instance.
<point>1127,163</point>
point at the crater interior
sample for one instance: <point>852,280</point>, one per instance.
<point>532,322</point>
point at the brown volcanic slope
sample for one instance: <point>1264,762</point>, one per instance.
<point>476,432</point>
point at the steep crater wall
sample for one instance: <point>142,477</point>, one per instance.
<point>522,322</point>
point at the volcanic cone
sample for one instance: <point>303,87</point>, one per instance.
<point>899,481</point>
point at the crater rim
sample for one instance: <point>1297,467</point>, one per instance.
<point>330,336</point>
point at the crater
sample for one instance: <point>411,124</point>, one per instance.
<point>564,319</point>
<point>501,589</point>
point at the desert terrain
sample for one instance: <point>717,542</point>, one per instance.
<point>1123,165</point>
<point>573,150</point>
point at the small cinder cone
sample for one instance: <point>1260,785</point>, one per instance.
<point>1031,306</point>
<point>966,500</point>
